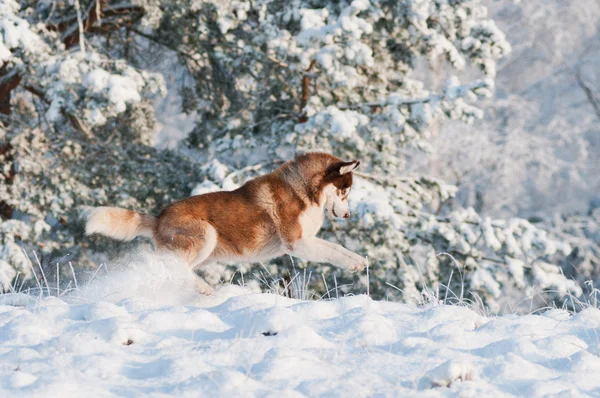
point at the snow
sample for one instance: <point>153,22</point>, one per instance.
<point>368,199</point>
<point>5,54</point>
<point>138,328</point>
<point>120,89</point>
<point>16,32</point>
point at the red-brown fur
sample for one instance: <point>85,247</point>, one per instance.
<point>261,214</point>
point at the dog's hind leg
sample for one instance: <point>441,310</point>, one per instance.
<point>210,242</point>
<point>194,244</point>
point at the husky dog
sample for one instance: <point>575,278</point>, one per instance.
<point>269,216</point>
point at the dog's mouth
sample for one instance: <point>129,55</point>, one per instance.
<point>333,211</point>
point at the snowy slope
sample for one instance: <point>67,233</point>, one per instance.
<point>143,331</point>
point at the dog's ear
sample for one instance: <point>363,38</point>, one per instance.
<point>347,167</point>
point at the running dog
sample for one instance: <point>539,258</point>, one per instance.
<point>272,215</point>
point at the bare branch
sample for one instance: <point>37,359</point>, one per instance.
<point>277,62</point>
<point>305,91</point>
<point>72,35</point>
<point>80,26</point>
<point>162,43</point>
<point>7,85</point>
<point>80,126</point>
<point>588,92</point>
<point>37,92</point>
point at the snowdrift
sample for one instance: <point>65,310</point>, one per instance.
<point>141,330</point>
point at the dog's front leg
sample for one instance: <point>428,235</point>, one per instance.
<point>322,251</point>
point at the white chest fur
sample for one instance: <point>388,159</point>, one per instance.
<point>311,220</point>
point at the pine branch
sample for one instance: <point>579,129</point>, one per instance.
<point>73,118</point>
<point>166,45</point>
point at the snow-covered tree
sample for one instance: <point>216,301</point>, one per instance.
<point>76,128</point>
<point>268,79</point>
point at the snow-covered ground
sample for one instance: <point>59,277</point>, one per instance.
<point>143,331</point>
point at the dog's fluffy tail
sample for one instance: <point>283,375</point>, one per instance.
<point>120,224</point>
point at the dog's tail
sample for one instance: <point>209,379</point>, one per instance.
<point>120,224</point>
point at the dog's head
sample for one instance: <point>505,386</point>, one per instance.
<point>338,182</point>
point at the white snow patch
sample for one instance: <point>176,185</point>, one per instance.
<point>20,379</point>
<point>449,372</point>
<point>120,90</point>
<point>139,328</point>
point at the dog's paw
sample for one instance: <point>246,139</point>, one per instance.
<point>358,264</point>
<point>204,288</point>
<point>207,291</point>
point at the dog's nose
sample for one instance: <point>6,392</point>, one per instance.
<point>347,215</point>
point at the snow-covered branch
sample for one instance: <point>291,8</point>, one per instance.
<point>400,100</point>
